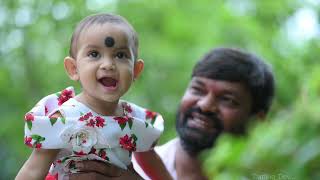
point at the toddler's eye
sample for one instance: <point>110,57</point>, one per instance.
<point>121,55</point>
<point>94,54</point>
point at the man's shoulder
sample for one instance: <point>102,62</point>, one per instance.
<point>169,147</point>
<point>167,155</point>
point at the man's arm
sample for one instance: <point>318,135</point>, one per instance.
<point>152,165</point>
<point>96,170</point>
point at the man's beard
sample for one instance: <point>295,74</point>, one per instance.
<point>195,140</point>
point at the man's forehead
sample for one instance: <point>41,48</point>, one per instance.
<point>216,84</point>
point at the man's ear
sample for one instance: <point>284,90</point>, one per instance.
<point>70,65</point>
<point>261,115</point>
<point>138,68</point>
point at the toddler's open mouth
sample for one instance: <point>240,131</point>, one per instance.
<point>109,82</point>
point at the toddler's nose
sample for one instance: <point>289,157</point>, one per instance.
<point>108,64</point>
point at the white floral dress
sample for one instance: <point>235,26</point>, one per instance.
<point>82,134</point>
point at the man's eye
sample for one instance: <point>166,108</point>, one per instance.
<point>94,54</point>
<point>229,101</point>
<point>121,55</point>
<point>197,90</point>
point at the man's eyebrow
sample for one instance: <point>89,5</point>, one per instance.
<point>231,92</point>
<point>198,82</point>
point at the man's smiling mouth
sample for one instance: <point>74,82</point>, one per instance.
<point>201,123</point>
<point>205,123</point>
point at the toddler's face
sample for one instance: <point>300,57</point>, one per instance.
<point>104,61</point>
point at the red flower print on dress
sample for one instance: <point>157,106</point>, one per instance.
<point>45,110</point>
<point>81,153</point>
<point>99,152</point>
<point>88,115</point>
<point>51,177</point>
<point>65,96</point>
<point>103,154</point>
<point>38,145</point>
<point>150,114</point>
<point>35,144</point>
<point>34,141</point>
<point>127,108</point>
<point>123,120</point>
<point>93,150</point>
<point>82,118</point>
<point>128,143</point>
<point>91,123</point>
<point>27,141</point>
<point>100,121</point>
<point>29,117</point>
<point>151,117</point>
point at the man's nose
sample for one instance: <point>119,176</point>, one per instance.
<point>207,103</point>
<point>108,64</point>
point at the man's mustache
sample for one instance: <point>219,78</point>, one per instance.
<point>209,115</point>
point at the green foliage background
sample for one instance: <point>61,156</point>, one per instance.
<point>174,34</point>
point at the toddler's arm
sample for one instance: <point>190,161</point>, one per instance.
<point>152,165</point>
<point>38,164</point>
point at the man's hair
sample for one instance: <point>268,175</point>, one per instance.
<point>101,19</point>
<point>237,66</point>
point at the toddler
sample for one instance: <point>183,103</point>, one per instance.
<point>96,124</point>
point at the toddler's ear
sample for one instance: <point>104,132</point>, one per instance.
<point>138,67</point>
<point>70,65</point>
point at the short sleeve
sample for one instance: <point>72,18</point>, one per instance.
<point>41,130</point>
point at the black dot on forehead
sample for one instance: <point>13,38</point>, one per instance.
<point>109,41</point>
